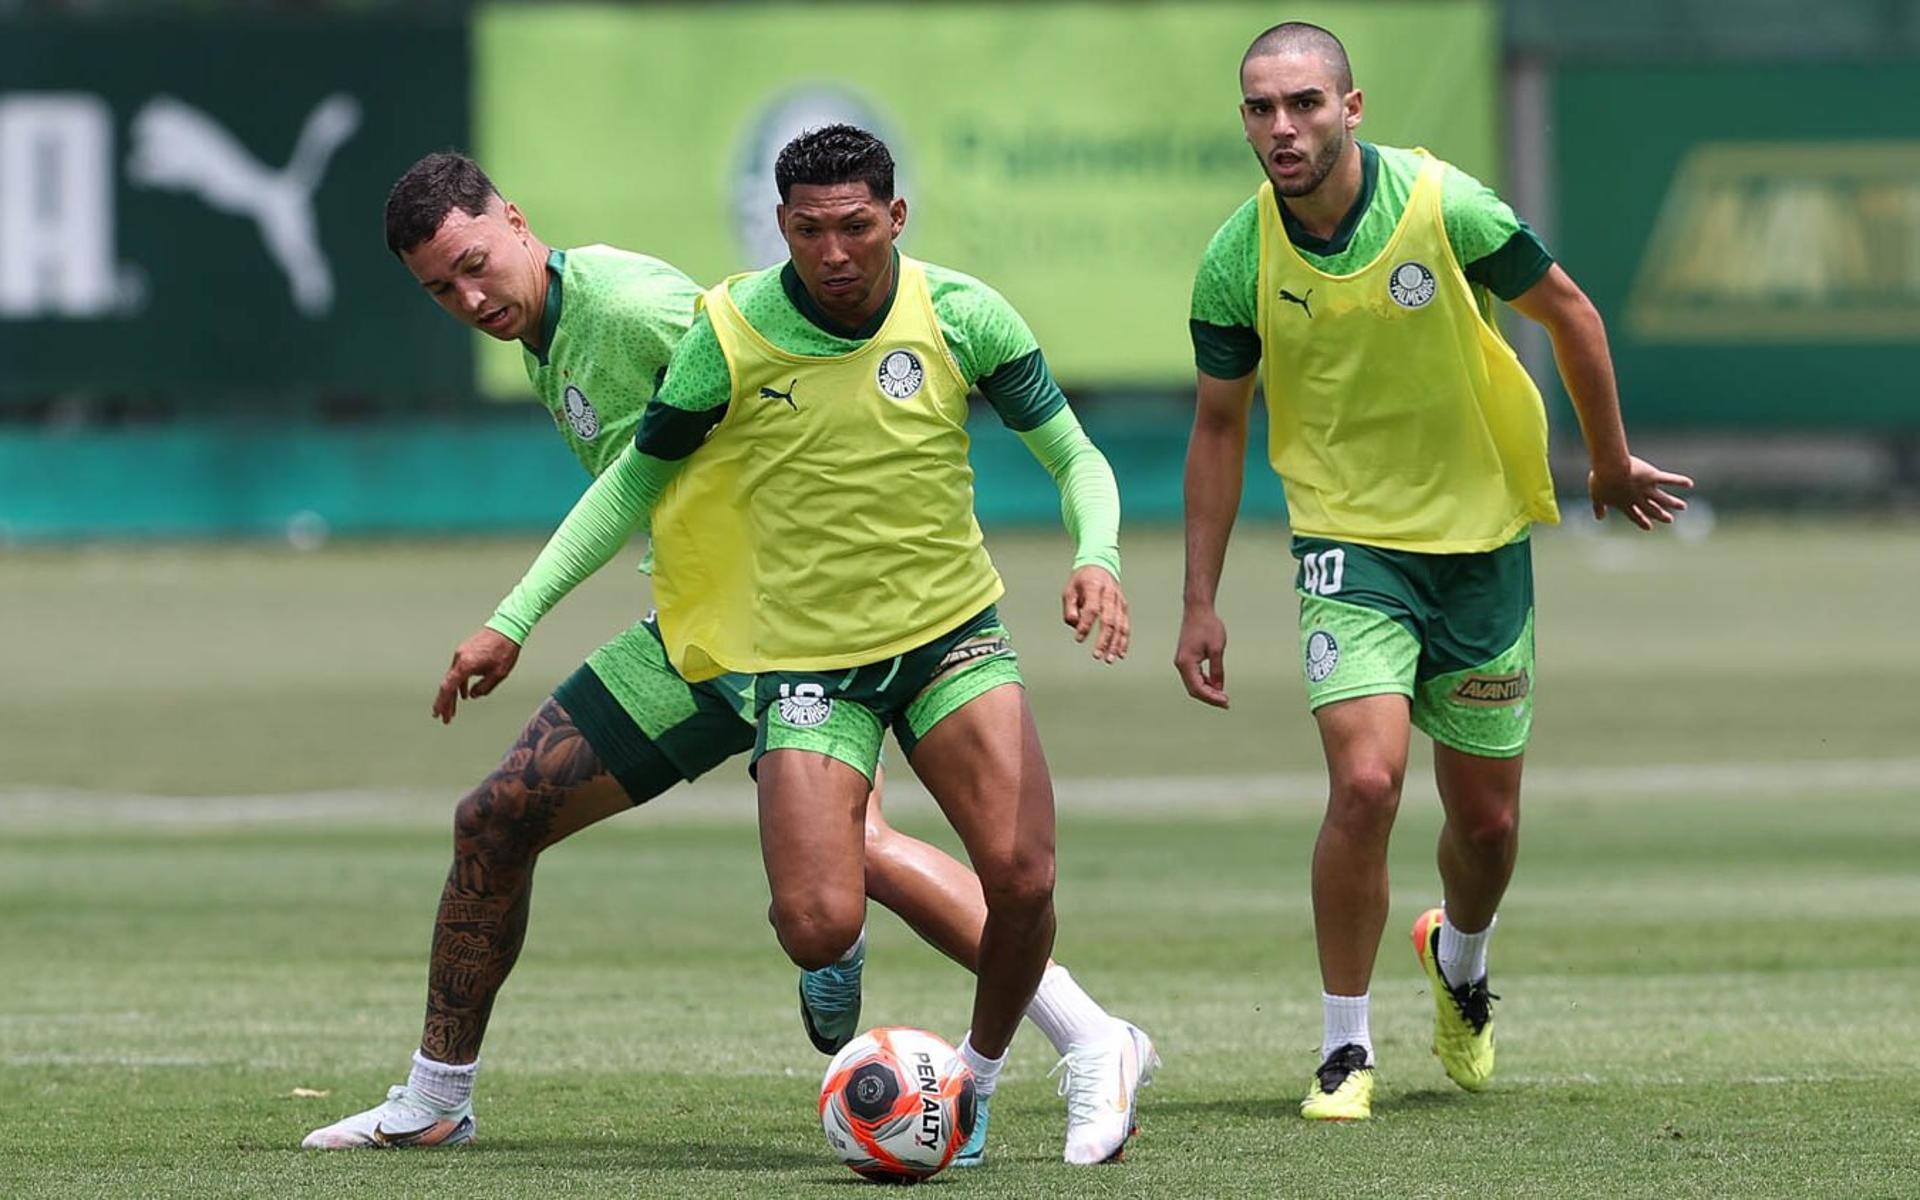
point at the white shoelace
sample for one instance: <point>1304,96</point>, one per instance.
<point>1079,1063</point>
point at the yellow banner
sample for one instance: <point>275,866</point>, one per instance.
<point>1076,156</point>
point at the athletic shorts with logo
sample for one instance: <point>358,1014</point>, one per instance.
<point>844,714</point>
<point>649,726</point>
<point>1451,632</point>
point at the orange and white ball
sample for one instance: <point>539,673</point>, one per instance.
<point>897,1104</point>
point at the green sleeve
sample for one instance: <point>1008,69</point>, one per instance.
<point>1514,267</point>
<point>995,348</point>
<point>982,329</point>
<point>690,400</point>
<point>618,503</point>
<point>1024,392</point>
<point>1224,318</point>
<point>1497,250</point>
<point>1089,497</point>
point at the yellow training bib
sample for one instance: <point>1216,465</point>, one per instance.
<point>853,536</point>
<point>1398,415</point>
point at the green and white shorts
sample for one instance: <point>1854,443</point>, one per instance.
<point>649,726</point>
<point>844,714</point>
<point>1451,632</point>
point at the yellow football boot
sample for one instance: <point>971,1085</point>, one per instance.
<point>1342,1089</point>
<point>1462,1015</point>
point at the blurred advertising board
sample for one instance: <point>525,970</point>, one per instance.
<point>1757,257</point>
<point>190,208</point>
<point>1077,156</point>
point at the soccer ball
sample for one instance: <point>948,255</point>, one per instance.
<point>896,1104</point>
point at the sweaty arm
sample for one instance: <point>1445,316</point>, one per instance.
<point>691,400</point>
<point>1579,339</point>
<point>1617,479</point>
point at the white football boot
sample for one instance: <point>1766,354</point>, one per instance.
<point>1101,1081</point>
<point>405,1120</point>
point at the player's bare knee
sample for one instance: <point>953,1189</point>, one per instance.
<point>1365,797</point>
<point>1491,832</point>
<point>473,816</point>
<point>1020,885</point>
<point>489,820</point>
<point>815,935</point>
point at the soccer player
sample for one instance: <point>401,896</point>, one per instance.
<point>598,326</point>
<point>1412,447</point>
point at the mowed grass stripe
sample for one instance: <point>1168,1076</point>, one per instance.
<point>1705,996</point>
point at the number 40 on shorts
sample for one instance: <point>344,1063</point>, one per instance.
<point>1323,572</point>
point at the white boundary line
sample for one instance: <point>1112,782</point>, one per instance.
<point>719,798</point>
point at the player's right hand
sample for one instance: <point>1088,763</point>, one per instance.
<point>479,666</point>
<point>1201,657</point>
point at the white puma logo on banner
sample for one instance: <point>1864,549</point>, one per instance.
<point>180,148</point>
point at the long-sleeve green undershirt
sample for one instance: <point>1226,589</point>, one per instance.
<point>621,501</point>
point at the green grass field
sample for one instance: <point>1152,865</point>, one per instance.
<point>222,811</point>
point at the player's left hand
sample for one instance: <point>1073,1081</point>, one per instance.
<point>1093,597</point>
<point>481,663</point>
<point>1640,492</point>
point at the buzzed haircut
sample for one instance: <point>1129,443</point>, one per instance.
<point>1298,37</point>
<point>432,188</point>
<point>835,154</point>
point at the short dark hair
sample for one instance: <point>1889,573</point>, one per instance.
<point>1298,37</point>
<point>432,188</point>
<point>835,154</point>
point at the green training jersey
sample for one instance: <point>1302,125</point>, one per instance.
<point>612,321</point>
<point>967,325</point>
<point>1497,251</point>
<point>988,339</point>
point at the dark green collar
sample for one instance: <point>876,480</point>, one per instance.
<point>1343,233</point>
<point>550,316</point>
<point>798,295</point>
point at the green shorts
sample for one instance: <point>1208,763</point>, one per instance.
<point>844,714</point>
<point>1451,632</point>
<point>650,727</point>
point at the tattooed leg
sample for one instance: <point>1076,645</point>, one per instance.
<point>550,785</point>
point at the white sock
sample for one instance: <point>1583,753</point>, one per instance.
<point>1463,956</point>
<point>1065,1013</point>
<point>854,951</point>
<point>1344,1023</point>
<point>445,1085</point>
<point>986,1071</point>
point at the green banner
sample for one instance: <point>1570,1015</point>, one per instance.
<point>1077,156</point>
<point>1758,263</point>
<point>190,209</point>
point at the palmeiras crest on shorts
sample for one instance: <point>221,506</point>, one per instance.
<point>1411,284</point>
<point>580,414</point>
<point>805,706</point>
<point>1323,655</point>
<point>901,374</point>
